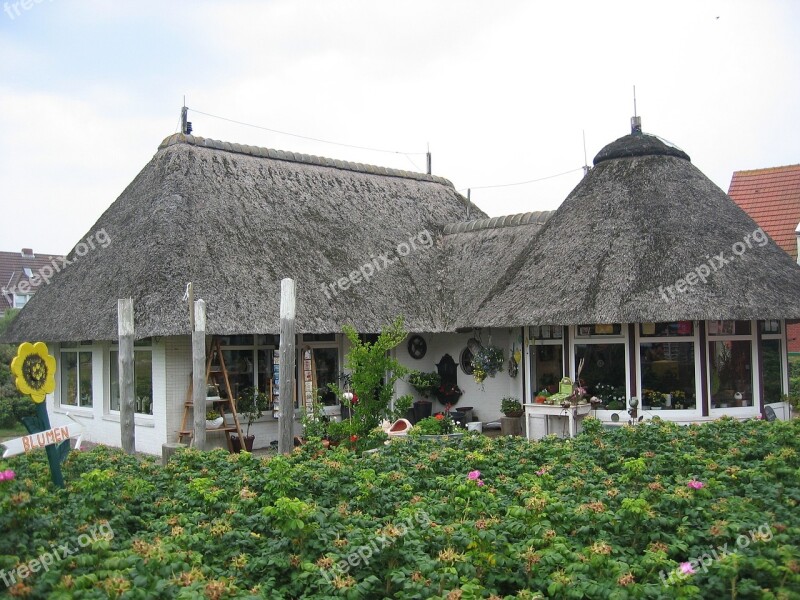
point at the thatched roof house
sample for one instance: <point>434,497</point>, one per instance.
<point>234,220</point>
<point>645,236</point>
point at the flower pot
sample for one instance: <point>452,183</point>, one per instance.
<point>422,410</point>
<point>215,424</point>
<point>236,444</point>
<point>248,442</point>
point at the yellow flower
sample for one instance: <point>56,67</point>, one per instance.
<point>35,371</point>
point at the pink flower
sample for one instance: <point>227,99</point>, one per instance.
<point>695,485</point>
<point>474,475</point>
<point>542,471</point>
<point>7,475</point>
<point>480,483</point>
<point>686,568</point>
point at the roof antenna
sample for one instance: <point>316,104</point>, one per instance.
<point>585,161</point>
<point>636,121</point>
<point>186,126</point>
<point>428,153</point>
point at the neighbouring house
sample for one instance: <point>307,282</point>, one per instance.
<point>648,275</point>
<point>772,198</point>
<point>21,274</point>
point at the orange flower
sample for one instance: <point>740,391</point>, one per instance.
<point>440,416</point>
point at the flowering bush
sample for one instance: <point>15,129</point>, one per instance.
<point>608,514</point>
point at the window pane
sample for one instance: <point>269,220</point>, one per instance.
<point>241,372</point>
<point>773,370</point>
<point>319,337</point>
<point>667,329</point>
<point>69,378</point>
<point>614,329</point>
<point>770,326</point>
<point>729,327</point>
<point>731,374</point>
<point>668,375</point>
<point>326,362</point>
<point>143,382</point>
<point>548,366</point>
<point>85,375</point>
<point>113,402</point>
<point>603,372</point>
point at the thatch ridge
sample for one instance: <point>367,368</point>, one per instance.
<point>528,218</point>
<point>180,138</point>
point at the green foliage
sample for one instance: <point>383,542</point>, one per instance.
<point>424,383</point>
<point>373,373</point>
<point>251,404</point>
<point>13,405</point>
<point>435,425</point>
<point>608,514</point>
<point>510,406</point>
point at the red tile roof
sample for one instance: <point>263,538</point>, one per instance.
<point>772,199</point>
<point>12,272</point>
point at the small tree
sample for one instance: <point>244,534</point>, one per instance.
<point>373,375</point>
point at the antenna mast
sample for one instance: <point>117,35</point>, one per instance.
<point>186,126</point>
<point>585,160</point>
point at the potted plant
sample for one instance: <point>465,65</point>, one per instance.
<point>487,362</point>
<point>250,405</point>
<point>511,407</point>
<point>213,419</point>
<point>439,426</point>
<point>425,383</point>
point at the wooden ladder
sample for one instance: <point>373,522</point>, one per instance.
<point>219,373</point>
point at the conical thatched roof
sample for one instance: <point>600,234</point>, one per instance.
<point>235,220</point>
<point>640,221</point>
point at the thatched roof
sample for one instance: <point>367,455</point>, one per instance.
<point>643,218</point>
<point>235,220</point>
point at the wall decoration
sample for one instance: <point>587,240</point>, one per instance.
<point>417,347</point>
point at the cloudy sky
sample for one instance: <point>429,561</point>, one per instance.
<point>502,92</point>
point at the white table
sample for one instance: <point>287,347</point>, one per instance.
<point>544,419</point>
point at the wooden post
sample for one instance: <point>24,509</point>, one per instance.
<point>127,391</point>
<point>286,373</point>
<point>199,374</point>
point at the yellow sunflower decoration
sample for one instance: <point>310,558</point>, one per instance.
<point>35,371</point>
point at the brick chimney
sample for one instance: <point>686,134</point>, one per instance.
<point>28,253</point>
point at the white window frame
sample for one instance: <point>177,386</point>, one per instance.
<point>784,354</point>
<point>114,348</point>
<point>622,338</point>
<point>734,411</point>
<point>698,396</point>
<point>97,376</point>
<point>531,343</point>
<point>27,298</point>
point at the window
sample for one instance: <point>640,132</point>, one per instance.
<point>28,271</point>
<point>326,371</point>
<point>142,380</point>
<point>730,363</point>
<point>667,366</point>
<point>76,377</point>
<point>249,361</point>
<point>21,300</point>
<point>546,356</point>
<point>772,360</point>
<point>605,372</point>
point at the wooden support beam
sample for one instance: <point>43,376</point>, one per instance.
<point>286,372</point>
<point>199,374</point>
<point>127,391</point>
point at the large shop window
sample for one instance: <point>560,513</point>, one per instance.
<point>604,365</point>
<point>142,380</point>
<point>326,364</point>
<point>667,366</point>
<point>76,376</point>
<point>250,361</point>
<point>730,357</point>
